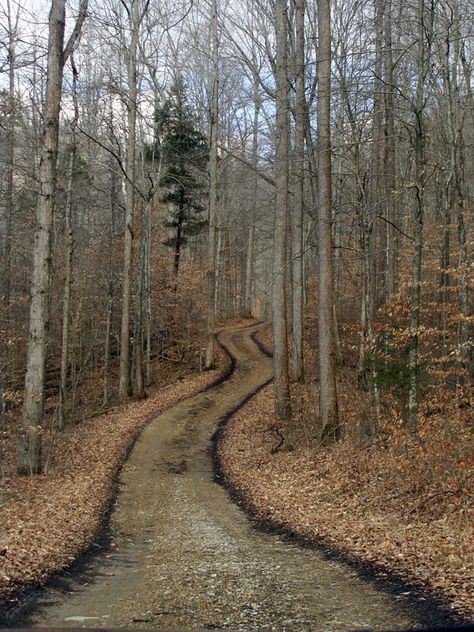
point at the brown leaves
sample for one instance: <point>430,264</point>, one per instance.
<point>46,521</point>
<point>403,503</point>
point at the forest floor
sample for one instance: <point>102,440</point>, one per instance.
<point>48,521</point>
<point>398,505</point>
<point>181,554</point>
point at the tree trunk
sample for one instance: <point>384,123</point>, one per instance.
<point>139,384</point>
<point>297,224</point>
<point>327,350</point>
<point>108,331</point>
<point>134,25</point>
<point>149,317</point>
<point>420,181</point>
<point>378,228</point>
<point>254,204</point>
<point>69,233</point>
<point>280,329</point>
<point>29,454</point>
<point>458,194</point>
<point>113,184</point>
<point>390,160</point>
<point>9,164</point>
<point>177,244</point>
<point>212,237</point>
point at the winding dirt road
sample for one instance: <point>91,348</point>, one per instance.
<point>183,555</point>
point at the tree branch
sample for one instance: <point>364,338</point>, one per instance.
<point>77,29</point>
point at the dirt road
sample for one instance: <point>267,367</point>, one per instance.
<point>184,556</point>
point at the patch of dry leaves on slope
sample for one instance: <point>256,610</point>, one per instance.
<point>47,521</point>
<point>384,503</point>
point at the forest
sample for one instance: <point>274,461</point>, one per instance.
<point>268,197</point>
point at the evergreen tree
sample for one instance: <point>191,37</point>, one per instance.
<point>184,152</point>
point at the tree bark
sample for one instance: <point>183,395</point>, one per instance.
<point>9,161</point>
<point>419,210</point>
<point>212,236</point>
<point>390,160</point>
<point>378,229</point>
<point>69,233</point>
<point>134,24</point>
<point>297,224</point>
<point>327,351</point>
<point>249,267</point>
<point>113,185</point>
<point>29,453</point>
<point>281,385</point>
<point>139,383</point>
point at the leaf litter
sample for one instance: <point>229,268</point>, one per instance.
<point>400,503</point>
<point>46,521</point>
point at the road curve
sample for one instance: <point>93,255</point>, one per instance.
<point>183,555</point>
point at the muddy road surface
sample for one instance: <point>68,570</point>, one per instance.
<point>183,555</point>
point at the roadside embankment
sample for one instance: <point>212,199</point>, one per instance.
<point>372,503</point>
<point>48,521</point>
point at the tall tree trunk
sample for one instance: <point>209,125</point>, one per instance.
<point>389,159</point>
<point>139,383</point>
<point>212,237</point>
<point>457,194</point>
<point>249,267</point>
<point>29,447</point>
<point>327,350</point>
<point>108,332</point>
<point>419,210</point>
<point>378,229</point>
<point>9,161</point>
<point>69,233</point>
<point>149,313</point>
<point>134,25</point>
<point>281,385</point>
<point>297,224</point>
<point>149,332</point>
<point>113,185</point>
<point>7,220</point>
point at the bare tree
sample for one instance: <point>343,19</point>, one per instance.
<point>135,16</point>
<point>12,34</point>
<point>424,18</point>
<point>29,453</point>
<point>280,327</point>
<point>213,156</point>
<point>297,215</point>
<point>327,349</point>
<point>69,230</point>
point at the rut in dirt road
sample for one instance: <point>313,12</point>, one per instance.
<point>182,555</point>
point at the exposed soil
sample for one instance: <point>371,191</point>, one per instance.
<point>182,555</point>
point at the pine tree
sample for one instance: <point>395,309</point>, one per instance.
<point>184,152</point>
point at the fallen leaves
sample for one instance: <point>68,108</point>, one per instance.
<point>389,503</point>
<point>47,521</point>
